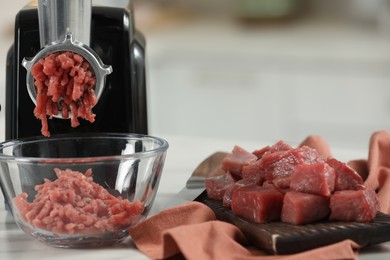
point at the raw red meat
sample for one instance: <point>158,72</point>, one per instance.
<point>75,204</point>
<point>316,178</point>
<point>351,205</point>
<point>307,155</point>
<point>346,177</point>
<point>268,184</point>
<point>260,204</point>
<point>257,182</point>
<point>279,146</point>
<point>217,185</point>
<point>253,171</point>
<point>227,197</point>
<point>234,161</point>
<point>260,152</point>
<point>282,184</point>
<point>64,82</point>
<point>277,164</point>
<point>302,208</point>
<point>283,163</point>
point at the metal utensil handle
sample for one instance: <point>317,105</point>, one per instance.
<point>204,169</point>
<point>60,17</point>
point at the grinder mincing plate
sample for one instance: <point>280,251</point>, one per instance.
<point>101,35</point>
<point>70,34</point>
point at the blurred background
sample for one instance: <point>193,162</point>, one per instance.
<point>259,69</point>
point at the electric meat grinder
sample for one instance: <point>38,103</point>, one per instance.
<point>104,36</point>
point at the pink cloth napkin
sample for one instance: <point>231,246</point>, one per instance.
<point>191,231</point>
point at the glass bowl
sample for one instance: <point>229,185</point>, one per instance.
<point>81,190</point>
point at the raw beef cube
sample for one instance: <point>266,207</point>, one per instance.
<point>256,203</point>
<point>282,184</point>
<point>260,152</point>
<point>346,177</point>
<point>307,155</point>
<point>283,163</point>
<point>227,197</point>
<point>351,205</point>
<point>278,164</point>
<point>316,178</point>
<point>217,185</point>
<point>253,171</point>
<point>302,208</point>
<point>279,146</point>
<point>268,184</point>
<point>234,161</point>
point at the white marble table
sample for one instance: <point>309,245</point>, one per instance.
<point>184,154</point>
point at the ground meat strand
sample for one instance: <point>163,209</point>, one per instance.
<point>64,82</point>
<point>75,204</point>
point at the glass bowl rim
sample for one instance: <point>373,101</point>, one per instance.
<point>95,159</point>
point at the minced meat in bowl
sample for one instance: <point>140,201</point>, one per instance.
<point>81,190</point>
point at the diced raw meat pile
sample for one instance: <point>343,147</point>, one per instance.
<point>294,185</point>
<point>64,82</point>
<point>75,204</point>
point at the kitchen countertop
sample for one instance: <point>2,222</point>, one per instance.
<point>184,154</point>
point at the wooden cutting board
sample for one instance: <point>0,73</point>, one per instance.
<point>285,238</point>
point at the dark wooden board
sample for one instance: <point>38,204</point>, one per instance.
<point>284,238</point>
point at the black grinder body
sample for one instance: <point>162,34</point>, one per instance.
<point>122,105</point>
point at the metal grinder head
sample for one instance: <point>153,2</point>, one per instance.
<point>65,25</point>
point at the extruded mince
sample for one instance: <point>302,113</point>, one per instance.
<point>64,82</point>
<point>75,204</point>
